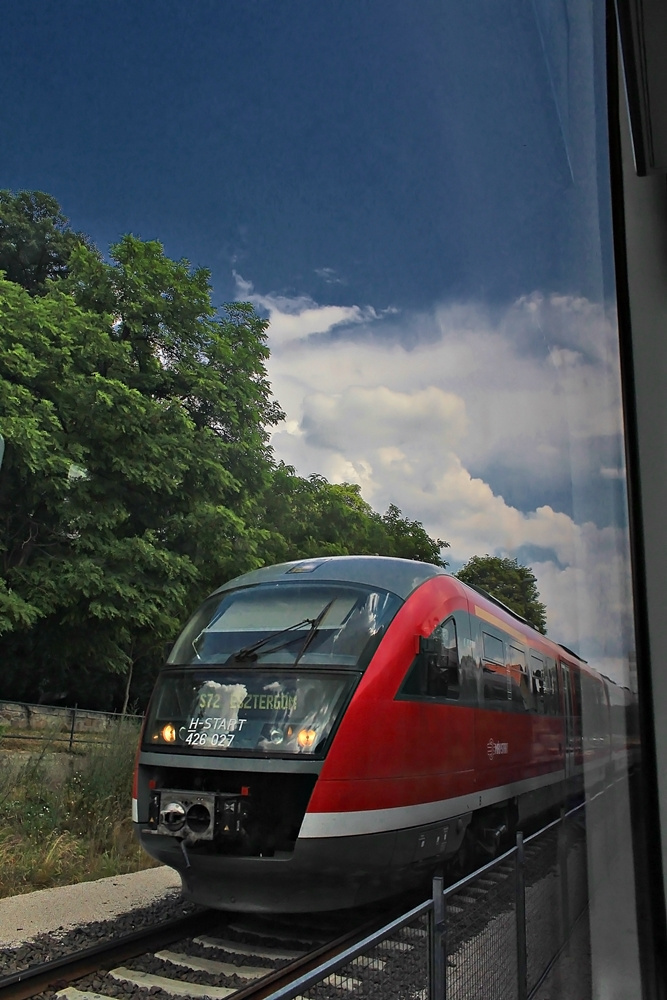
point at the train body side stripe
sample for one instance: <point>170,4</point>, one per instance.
<point>352,824</point>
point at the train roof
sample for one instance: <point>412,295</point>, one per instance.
<point>400,576</point>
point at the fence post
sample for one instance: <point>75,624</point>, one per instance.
<point>71,729</point>
<point>521,943</point>
<point>438,940</point>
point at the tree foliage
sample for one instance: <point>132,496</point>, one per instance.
<point>313,517</point>
<point>136,438</point>
<point>508,581</point>
<point>36,240</point>
<point>137,473</point>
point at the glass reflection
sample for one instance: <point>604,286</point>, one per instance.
<point>244,711</point>
<point>416,197</point>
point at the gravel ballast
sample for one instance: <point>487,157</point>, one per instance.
<point>50,923</point>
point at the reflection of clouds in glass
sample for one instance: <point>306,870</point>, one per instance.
<point>444,412</point>
<point>313,709</point>
<point>229,698</point>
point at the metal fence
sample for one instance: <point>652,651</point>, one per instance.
<point>494,934</point>
<point>497,932</point>
<point>48,724</point>
<point>394,961</point>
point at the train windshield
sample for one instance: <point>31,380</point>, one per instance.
<point>247,710</point>
<point>290,624</point>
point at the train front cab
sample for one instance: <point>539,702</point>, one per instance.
<point>242,734</point>
<point>450,735</point>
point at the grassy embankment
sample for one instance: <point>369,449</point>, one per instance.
<point>67,818</point>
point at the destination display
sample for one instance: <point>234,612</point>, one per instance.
<point>270,712</point>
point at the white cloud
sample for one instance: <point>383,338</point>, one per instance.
<point>329,275</point>
<point>380,414</point>
<point>532,392</point>
<point>294,319</point>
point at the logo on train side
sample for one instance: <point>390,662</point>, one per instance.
<point>494,749</point>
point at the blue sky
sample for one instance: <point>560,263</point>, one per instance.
<point>416,196</point>
<point>286,139</point>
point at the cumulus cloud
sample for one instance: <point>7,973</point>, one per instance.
<point>382,414</point>
<point>445,413</point>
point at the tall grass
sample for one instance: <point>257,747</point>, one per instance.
<point>67,819</point>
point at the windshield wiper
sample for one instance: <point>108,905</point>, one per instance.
<point>314,626</point>
<point>248,652</point>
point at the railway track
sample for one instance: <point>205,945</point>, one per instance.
<point>224,955</point>
<point>209,954</point>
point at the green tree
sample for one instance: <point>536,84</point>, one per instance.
<point>135,420</point>
<point>508,581</point>
<point>408,540</point>
<point>313,517</point>
<point>36,240</point>
<point>137,473</point>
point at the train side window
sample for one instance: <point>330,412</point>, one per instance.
<point>551,696</point>
<point>519,679</point>
<point>435,671</point>
<point>496,686</point>
<point>493,648</point>
<point>537,675</point>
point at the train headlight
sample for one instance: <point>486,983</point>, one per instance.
<point>276,736</point>
<point>168,733</point>
<point>306,737</point>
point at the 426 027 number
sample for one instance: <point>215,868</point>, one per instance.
<point>210,739</point>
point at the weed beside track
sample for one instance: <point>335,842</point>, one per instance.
<point>66,818</point>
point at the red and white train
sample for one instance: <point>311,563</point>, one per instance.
<point>327,732</point>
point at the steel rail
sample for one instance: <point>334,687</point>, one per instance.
<point>59,971</point>
<point>340,953</point>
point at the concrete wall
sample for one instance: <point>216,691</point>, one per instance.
<point>48,718</point>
